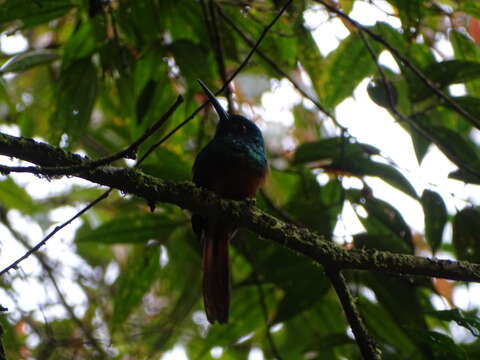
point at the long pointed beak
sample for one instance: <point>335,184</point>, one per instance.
<point>222,114</point>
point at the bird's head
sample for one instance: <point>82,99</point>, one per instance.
<point>231,124</point>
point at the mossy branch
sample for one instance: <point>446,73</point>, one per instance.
<point>244,213</point>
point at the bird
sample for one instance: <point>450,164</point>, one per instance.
<point>234,166</point>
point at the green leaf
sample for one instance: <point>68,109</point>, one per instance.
<point>194,60</point>
<point>310,57</point>
<point>168,164</point>
<point>297,298</point>
<point>94,253</point>
<point>81,44</point>
<point>388,174</point>
<point>420,144</point>
<point>347,5</point>
<point>466,49</point>
<point>385,328</point>
<point>443,74</point>
<point>334,148</point>
<point>339,154</point>
<point>27,60</point>
<point>465,176</point>
<point>435,218</point>
<point>466,227</point>
<point>470,7</point>
<point>456,147</point>
<point>442,346</point>
<point>76,93</point>
<point>383,218</point>
<point>135,279</point>
<point>468,321</point>
<point>312,202</point>
<point>383,93</point>
<point>411,13</point>
<point>246,317</point>
<point>471,105</point>
<point>33,12</point>
<point>13,196</point>
<point>344,69</point>
<point>131,229</point>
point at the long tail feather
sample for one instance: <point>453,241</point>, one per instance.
<point>216,288</point>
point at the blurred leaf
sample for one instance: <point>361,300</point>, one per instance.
<point>465,176</point>
<point>246,317</point>
<point>410,12</point>
<point>461,150</point>
<point>388,174</point>
<point>76,91</point>
<point>194,60</point>
<point>347,5</point>
<point>339,154</point>
<point>310,57</point>
<point>332,149</point>
<point>441,345</point>
<point>383,218</point>
<point>135,279</point>
<point>343,70</point>
<point>131,229</point>
<point>435,218</point>
<point>168,165</point>
<point>471,105</point>
<point>384,327</point>
<point>289,268</point>
<point>94,253</point>
<point>420,144</point>
<point>316,206</point>
<point>81,44</point>
<point>468,321</point>
<point>27,60</point>
<point>13,196</point>
<point>471,7</point>
<point>466,227</point>
<point>32,13</point>
<point>383,93</point>
<point>445,73</point>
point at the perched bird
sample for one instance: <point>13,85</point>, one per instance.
<point>233,165</point>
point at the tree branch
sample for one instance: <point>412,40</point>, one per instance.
<point>188,196</point>
<point>128,152</point>
<point>367,345</point>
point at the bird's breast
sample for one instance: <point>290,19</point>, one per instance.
<point>232,169</point>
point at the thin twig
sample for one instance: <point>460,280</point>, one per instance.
<point>263,304</point>
<point>14,265</point>
<point>217,46</point>
<point>367,345</point>
<point>40,257</point>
